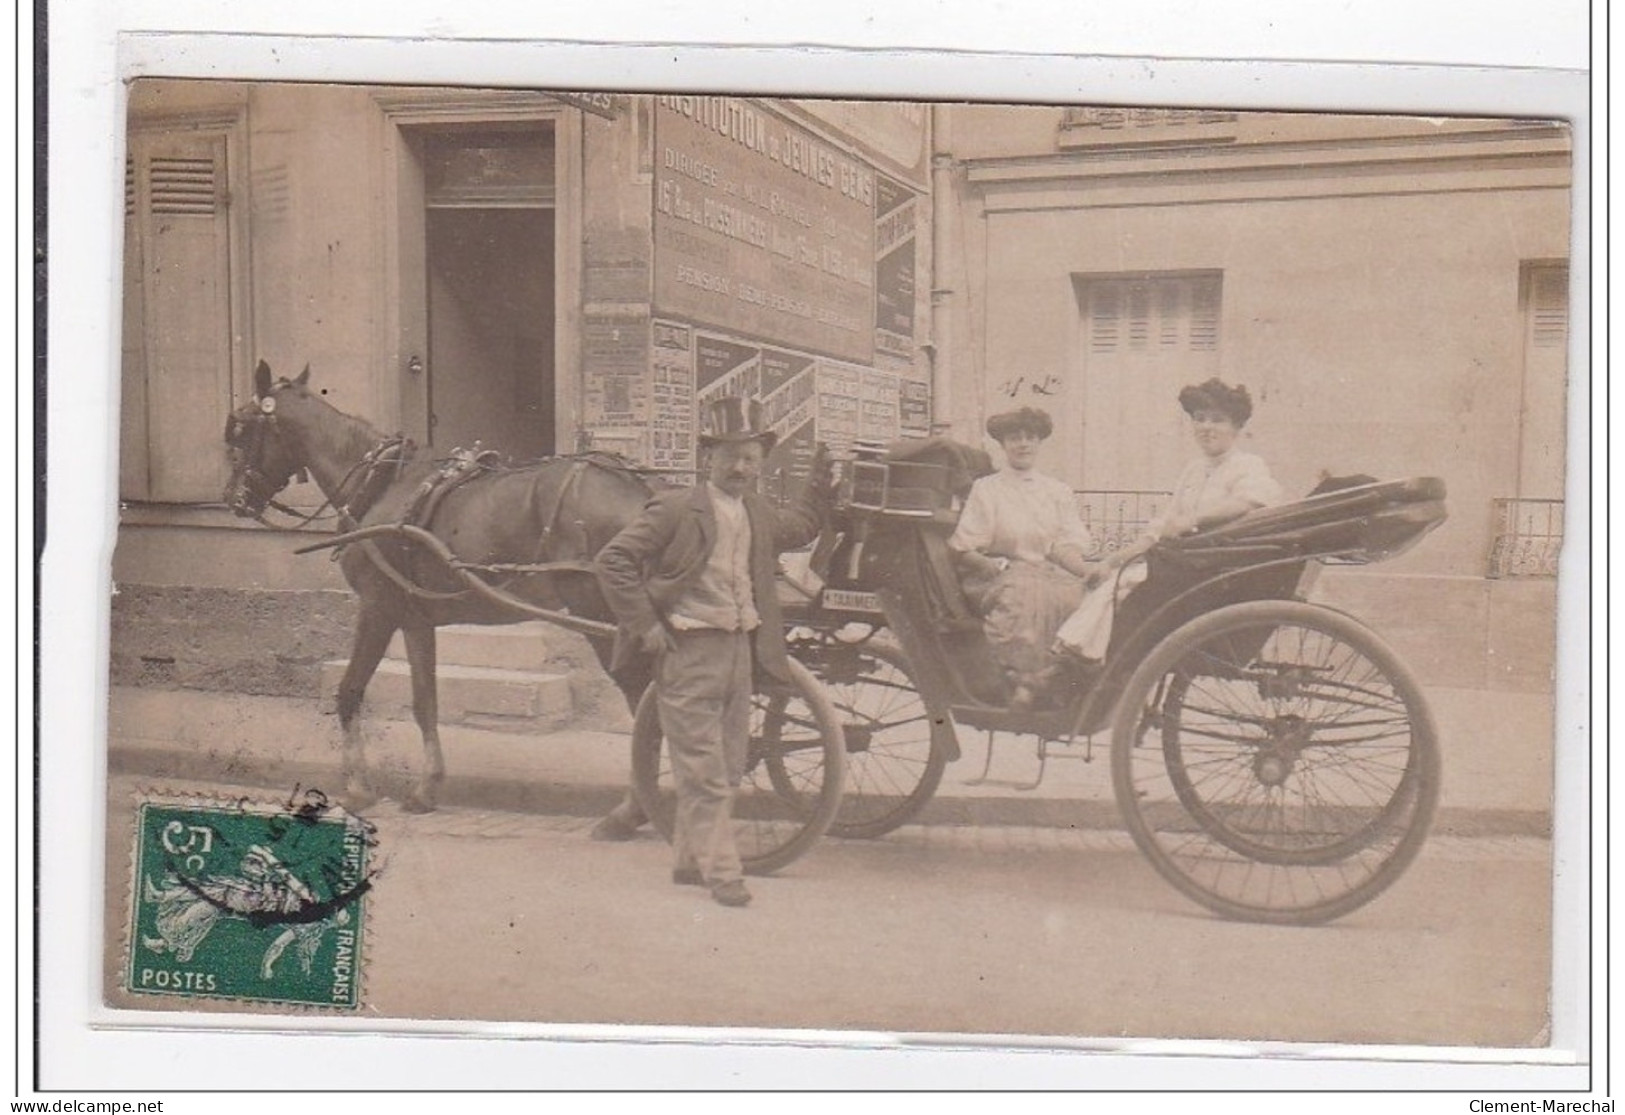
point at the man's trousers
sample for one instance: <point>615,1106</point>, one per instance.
<point>704,690</point>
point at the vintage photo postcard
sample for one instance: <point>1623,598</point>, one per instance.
<point>1021,572</point>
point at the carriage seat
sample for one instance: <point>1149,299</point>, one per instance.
<point>926,478</point>
<point>917,485</point>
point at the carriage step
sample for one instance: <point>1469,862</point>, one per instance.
<point>465,693</point>
<point>518,646</point>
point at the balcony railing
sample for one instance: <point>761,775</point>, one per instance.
<point>1116,518</point>
<point>1528,538</point>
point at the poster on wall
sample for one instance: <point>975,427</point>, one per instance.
<point>914,407</point>
<point>725,367</point>
<point>671,427</point>
<point>789,402</point>
<point>896,212</point>
<point>877,409</point>
<point>838,404</point>
<point>614,349</point>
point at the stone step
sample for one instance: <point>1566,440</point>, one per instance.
<point>516,646</point>
<point>467,694</point>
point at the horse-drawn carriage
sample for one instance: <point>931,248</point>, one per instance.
<point>1273,758</point>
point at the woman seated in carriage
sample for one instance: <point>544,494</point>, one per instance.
<point>1020,548</point>
<point>1220,484</point>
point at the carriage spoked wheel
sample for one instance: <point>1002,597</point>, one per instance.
<point>1276,762</point>
<point>893,767</point>
<point>795,733</point>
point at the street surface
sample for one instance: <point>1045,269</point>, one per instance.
<point>997,929</point>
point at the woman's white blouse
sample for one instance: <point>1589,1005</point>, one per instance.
<point>1025,516</point>
<point>1206,484</point>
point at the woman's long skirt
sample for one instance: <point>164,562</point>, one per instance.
<point>1022,611</point>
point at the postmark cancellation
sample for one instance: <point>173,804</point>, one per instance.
<point>249,900</point>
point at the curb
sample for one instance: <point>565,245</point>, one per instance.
<point>543,796</point>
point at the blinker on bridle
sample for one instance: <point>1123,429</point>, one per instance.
<point>254,481</point>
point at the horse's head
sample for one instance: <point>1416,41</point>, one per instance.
<point>263,453</point>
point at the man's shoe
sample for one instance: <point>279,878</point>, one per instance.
<point>614,828</point>
<point>687,877</point>
<point>731,893</point>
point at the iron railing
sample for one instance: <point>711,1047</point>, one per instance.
<point>1116,517</point>
<point>1528,538</point>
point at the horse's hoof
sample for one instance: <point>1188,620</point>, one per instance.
<point>416,804</point>
<point>614,828</point>
<point>355,800</point>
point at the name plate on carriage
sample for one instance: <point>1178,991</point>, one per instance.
<point>850,600</point>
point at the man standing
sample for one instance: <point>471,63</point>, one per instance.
<point>691,581</point>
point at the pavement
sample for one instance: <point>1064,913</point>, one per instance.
<point>1496,747</point>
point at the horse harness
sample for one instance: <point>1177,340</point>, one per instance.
<point>415,524</point>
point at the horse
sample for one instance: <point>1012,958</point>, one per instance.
<point>503,521</point>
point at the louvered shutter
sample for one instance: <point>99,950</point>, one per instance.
<point>1543,437</point>
<point>1146,336</point>
<point>177,347</point>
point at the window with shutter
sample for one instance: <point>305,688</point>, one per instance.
<point>1145,335</point>
<point>1548,306</point>
<point>177,344</point>
<point>1542,428</point>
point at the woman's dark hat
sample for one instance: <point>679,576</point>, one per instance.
<point>735,418</point>
<point>1031,419</point>
<point>1219,396</point>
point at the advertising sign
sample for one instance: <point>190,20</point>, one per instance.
<point>762,228</point>
<point>895,224</point>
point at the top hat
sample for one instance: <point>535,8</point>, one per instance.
<point>735,418</point>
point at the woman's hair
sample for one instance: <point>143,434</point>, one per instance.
<point>1031,419</point>
<point>1219,396</point>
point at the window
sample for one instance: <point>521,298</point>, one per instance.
<point>177,331</point>
<point>1144,127</point>
<point>1544,305</point>
<point>1144,336</point>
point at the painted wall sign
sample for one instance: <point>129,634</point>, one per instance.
<point>608,105</point>
<point>762,228</point>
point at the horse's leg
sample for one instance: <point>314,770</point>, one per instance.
<point>371,640</point>
<point>420,653</point>
<point>623,822</point>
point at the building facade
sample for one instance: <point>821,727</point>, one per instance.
<point>537,273</point>
<point>541,272</point>
<point>1392,290</point>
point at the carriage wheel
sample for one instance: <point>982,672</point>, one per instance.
<point>1276,762</point>
<point>795,731</point>
<point>893,766</point>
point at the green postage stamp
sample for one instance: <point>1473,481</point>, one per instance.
<point>249,901</point>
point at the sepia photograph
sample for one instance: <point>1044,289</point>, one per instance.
<point>1045,572</point>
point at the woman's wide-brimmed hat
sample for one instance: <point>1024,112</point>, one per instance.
<point>1217,395</point>
<point>1030,419</point>
<point>735,418</point>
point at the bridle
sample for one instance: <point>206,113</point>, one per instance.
<point>253,491</point>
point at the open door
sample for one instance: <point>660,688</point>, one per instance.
<point>479,354</point>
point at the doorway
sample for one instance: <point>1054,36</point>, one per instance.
<point>489,256</point>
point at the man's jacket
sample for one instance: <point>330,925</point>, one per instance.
<point>649,566</point>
